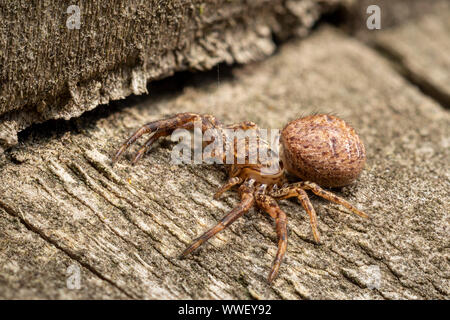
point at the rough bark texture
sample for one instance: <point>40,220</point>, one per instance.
<point>62,203</point>
<point>49,71</point>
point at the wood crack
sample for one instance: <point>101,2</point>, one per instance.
<point>425,85</point>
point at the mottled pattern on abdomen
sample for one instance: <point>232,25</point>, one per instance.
<point>323,149</point>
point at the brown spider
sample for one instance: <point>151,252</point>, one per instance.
<point>318,149</point>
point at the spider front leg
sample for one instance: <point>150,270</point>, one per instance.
<point>162,128</point>
<point>269,205</point>
<point>247,202</point>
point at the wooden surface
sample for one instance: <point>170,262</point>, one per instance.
<point>51,71</point>
<point>420,49</point>
<point>63,204</point>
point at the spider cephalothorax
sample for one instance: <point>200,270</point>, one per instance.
<point>319,150</point>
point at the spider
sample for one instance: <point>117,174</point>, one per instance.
<point>319,150</point>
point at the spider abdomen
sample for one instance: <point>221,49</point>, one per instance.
<point>323,149</point>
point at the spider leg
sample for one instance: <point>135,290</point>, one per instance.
<point>165,127</point>
<point>294,191</point>
<point>227,186</point>
<point>330,197</point>
<point>269,205</point>
<point>306,203</point>
<point>247,201</point>
<point>245,125</point>
<point>148,144</point>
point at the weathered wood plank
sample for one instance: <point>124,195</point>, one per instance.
<point>33,268</point>
<point>52,68</point>
<point>421,49</point>
<point>129,224</point>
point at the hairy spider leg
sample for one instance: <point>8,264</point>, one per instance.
<point>298,190</point>
<point>291,192</point>
<point>227,186</point>
<point>314,187</point>
<point>244,125</point>
<point>161,128</point>
<point>247,202</point>
<point>269,205</point>
<point>158,134</point>
<point>307,205</point>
